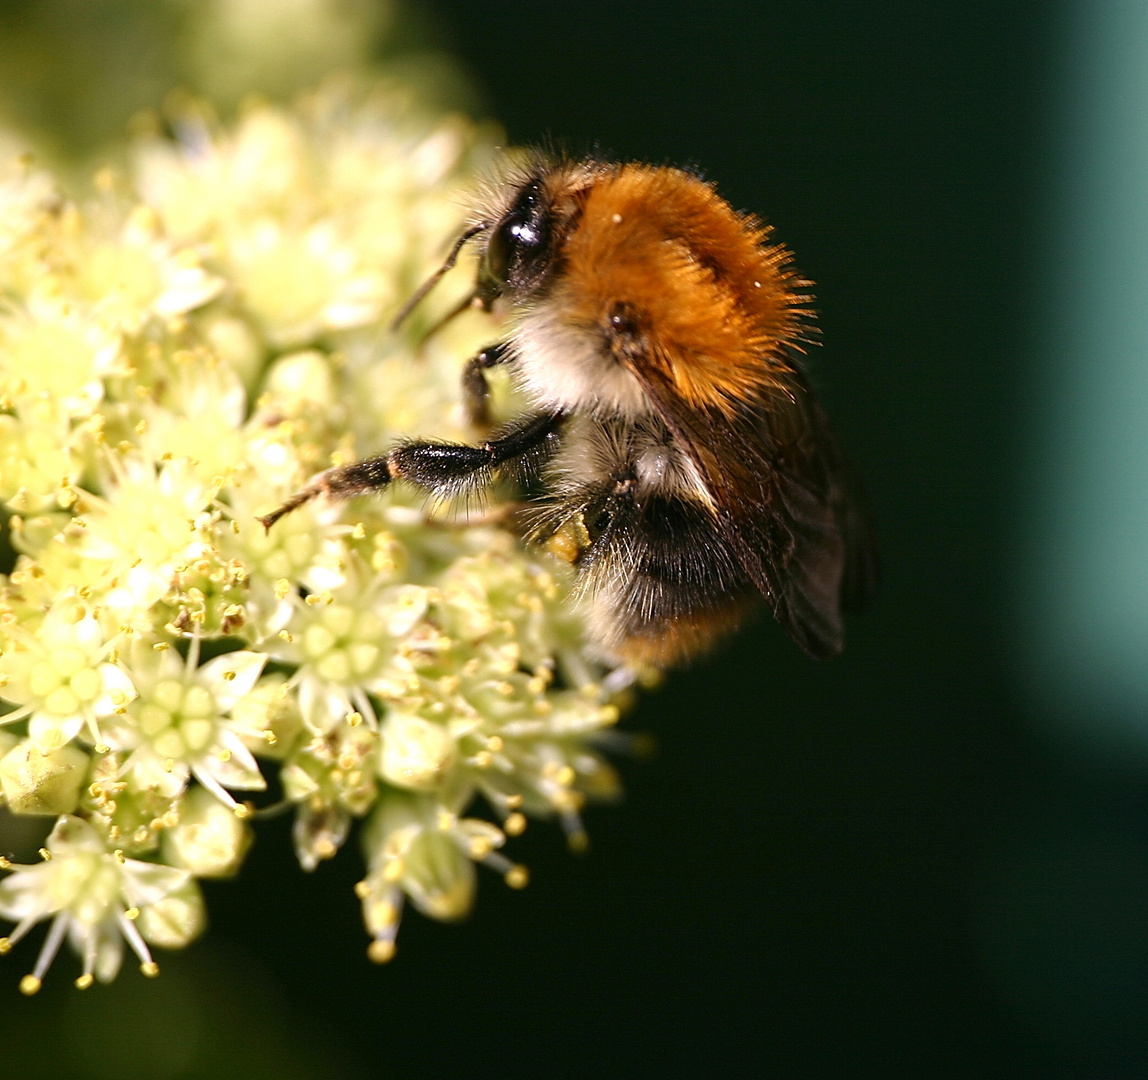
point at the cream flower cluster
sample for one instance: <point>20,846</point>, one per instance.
<point>178,355</point>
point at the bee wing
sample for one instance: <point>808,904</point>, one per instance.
<point>792,507</point>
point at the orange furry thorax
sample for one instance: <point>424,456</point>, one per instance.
<point>715,303</point>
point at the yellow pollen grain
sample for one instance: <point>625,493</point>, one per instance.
<point>354,718</point>
<point>30,985</point>
<point>132,913</point>
<point>119,856</point>
<point>102,748</point>
<point>362,889</point>
<point>5,944</point>
<point>285,635</point>
<point>150,968</point>
<point>84,981</point>
<point>228,676</point>
<point>161,646</point>
<point>45,854</point>
<point>517,877</point>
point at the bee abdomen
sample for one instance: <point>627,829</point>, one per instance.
<point>664,583</point>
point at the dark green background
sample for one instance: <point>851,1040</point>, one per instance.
<point>879,866</point>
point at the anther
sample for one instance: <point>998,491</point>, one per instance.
<point>380,951</point>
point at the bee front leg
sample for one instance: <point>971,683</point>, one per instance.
<point>475,389</point>
<point>440,469</point>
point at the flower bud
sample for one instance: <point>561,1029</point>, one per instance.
<point>210,840</point>
<point>438,877</point>
<point>176,920</point>
<point>415,752</point>
<point>35,782</point>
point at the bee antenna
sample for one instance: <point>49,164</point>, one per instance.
<point>458,309</point>
<point>433,280</point>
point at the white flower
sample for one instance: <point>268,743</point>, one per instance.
<point>92,895</point>
<point>60,674</point>
<point>345,640</point>
<point>143,531</point>
<point>418,848</point>
<point>180,725</point>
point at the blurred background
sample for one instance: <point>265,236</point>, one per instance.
<point>927,858</point>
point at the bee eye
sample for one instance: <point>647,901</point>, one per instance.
<point>517,240</point>
<point>501,250</point>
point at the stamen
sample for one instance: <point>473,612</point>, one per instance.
<point>91,949</point>
<point>363,704</point>
<point>51,946</point>
<point>147,965</point>
<point>514,874</point>
<point>193,651</point>
<point>577,839</point>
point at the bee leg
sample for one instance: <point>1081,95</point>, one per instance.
<point>440,469</point>
<point>475,390</point>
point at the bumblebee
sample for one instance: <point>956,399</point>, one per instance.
<point>680,459</point>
